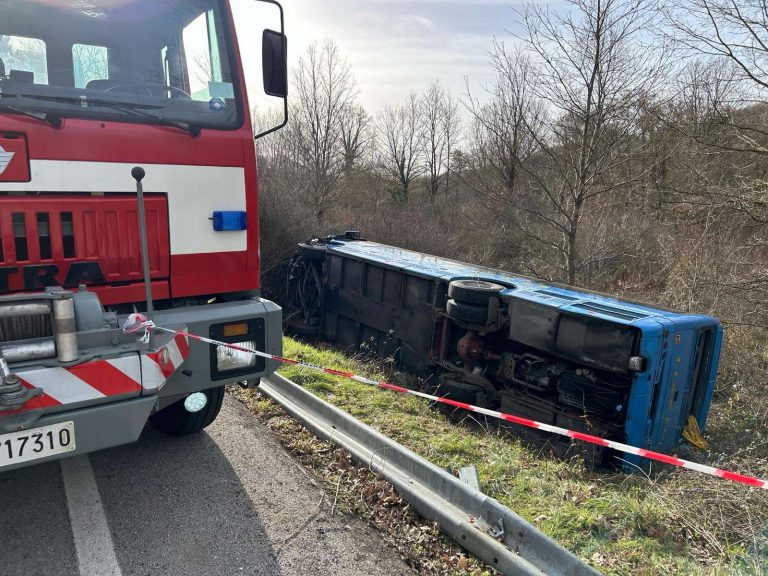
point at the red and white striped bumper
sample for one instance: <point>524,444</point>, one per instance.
<point>102,381</point>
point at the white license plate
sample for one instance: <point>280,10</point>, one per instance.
<point>36,443</point>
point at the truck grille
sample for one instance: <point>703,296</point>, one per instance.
<point>67,240</point>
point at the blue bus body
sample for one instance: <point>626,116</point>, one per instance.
<point>564,341</point>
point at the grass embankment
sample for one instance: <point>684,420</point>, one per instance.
<point>674,523</point>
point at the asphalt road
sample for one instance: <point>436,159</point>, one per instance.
<point>227,501</point>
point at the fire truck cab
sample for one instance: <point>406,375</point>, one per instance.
<point>88,91</point>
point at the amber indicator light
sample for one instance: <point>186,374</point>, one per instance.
<point>235,330</point>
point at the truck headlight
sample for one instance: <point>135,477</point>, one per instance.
<point>229,359</point>
<point>229,365</point>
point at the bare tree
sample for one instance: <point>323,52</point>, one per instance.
<point>594,74</point>
<point>452,130</point>
<point>400,145</point>
<point>438,128</point>
<point>285,215</point>
<point>733,35</point>
<point>502,139</point>
<point>729,40</point>
<point>325,94</point>
<point>733,30</point>
<point>355,130</point>
<point>707,90</point>
<point>503,130</point>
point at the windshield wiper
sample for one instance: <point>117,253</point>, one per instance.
<point>51,119</point>
<point>132,108</point>
<point>136,110</point>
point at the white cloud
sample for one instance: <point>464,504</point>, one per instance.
<point>413,23</point>
<point>398,46</point>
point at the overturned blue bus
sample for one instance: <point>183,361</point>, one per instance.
<point>560,355</point>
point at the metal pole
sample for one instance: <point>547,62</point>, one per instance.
<point>138,174</point>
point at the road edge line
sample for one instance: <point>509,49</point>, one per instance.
<point>93,541</point>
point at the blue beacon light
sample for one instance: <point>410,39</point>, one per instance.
<point>230,221</point>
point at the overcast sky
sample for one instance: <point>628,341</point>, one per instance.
<point>398,46</point>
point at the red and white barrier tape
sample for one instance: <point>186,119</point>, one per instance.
<point>710,470</point>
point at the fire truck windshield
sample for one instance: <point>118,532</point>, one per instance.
<point>164,62</point>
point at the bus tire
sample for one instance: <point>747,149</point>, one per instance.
<point>468,313</point>
<point>477,292</point>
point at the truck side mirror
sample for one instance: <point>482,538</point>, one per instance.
<point>274,50</point>
<point>274,63</point>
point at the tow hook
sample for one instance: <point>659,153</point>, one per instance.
<point>13,394</point>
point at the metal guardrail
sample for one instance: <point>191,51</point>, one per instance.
<point>478,523</point>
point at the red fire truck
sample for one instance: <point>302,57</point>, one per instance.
<point>105,106</point>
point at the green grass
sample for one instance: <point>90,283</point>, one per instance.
<point>620,523</point>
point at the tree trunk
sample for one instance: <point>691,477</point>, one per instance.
<point>572,238</point>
